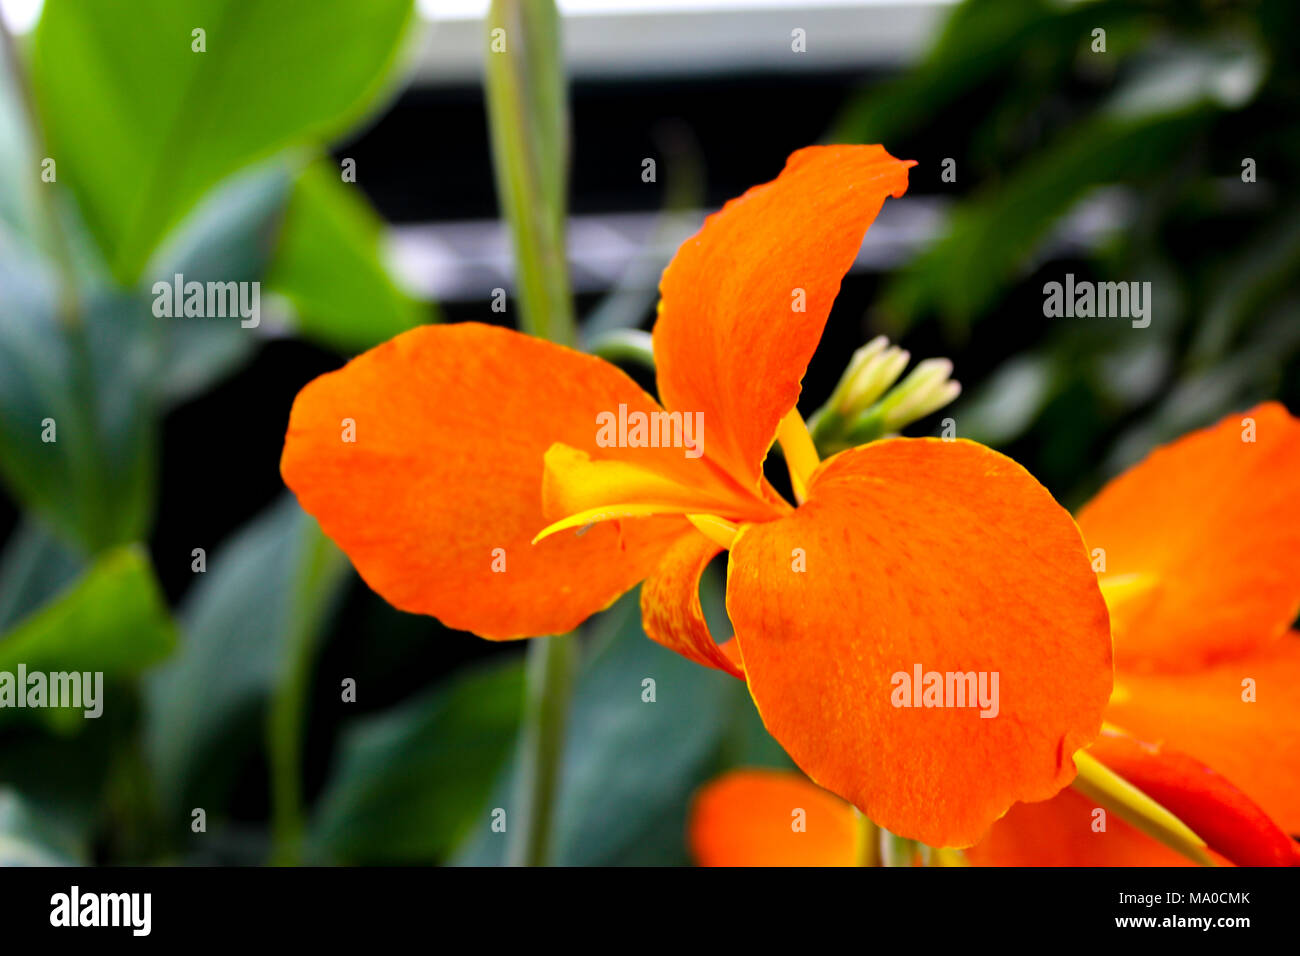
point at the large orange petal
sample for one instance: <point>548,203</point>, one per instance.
<point>1218,812</point>
<point>1255,744</point>
<point>1209,523</point>
<point>444,478</point>
<point>1061,832</point>
<point>942,555</point>
<point>670,604</point>
<point>728,341</point>
<point>753,818</point>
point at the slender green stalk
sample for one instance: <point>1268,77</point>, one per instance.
<point>528,126</point>
<point>528,122</point>
<point>552,663</point>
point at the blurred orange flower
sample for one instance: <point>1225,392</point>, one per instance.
<point>1201,547</point>
<point>478,484</point>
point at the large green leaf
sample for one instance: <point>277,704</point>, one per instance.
<point>205,710</point>
<point>410,783</point>
<point>114,620</point>
<point>229,238</point>
<point>329,265</point>
<point>77,429</point>
<point>141,125</point>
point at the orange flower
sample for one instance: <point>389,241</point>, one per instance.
<point>1201,546</point>
<point>1202,551</point>
<point>481,487</point>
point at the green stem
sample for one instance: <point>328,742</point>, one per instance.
<point>528,122</point>
<point>286,736</point>
<point>551,666</point>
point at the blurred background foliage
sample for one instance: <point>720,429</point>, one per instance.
<point>225,684</point>
<point>1158,131</point>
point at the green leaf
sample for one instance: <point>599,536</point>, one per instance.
<point>330,266</point>
<point>141,125</point>
<point>409,783</point>
<point>19,170</point>
<point>77,428</point>
<point>229,238</point>
<point>34,567</point>
<point>1004,405</point>
<point>114,619</point>
<point>29,838</point>
<point>65,776</point>
<point>205,710</point>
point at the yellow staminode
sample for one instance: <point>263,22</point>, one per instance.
<point>716,529</point>
<point>799,450</point>
<point>1134,807</point>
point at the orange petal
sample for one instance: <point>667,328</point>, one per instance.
<point>1061,832</point>
<point>1255,744</point>
<point>941,555</point>
<point>670,604</point>
<point>728,341</point>
<point>444,478</point>
<point>1210,522</point>
<point>751,818</point>
<point>1219,813</point>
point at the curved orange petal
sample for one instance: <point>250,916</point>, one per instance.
<point>753,818</point>
<point>443,481</point>
<point>728,341</point>
<point>1217,811</point>
<point>1210,522</point>
<point>670,604</point>
<point>941,555</point>
<point>1061,832</point>
<point>1255,744</point>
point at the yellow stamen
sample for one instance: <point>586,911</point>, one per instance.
<point>723,533</point>
<point>800,452</point>
<point>1098,782</point>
